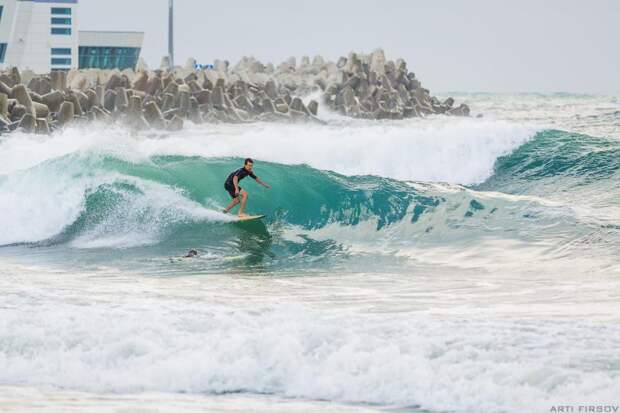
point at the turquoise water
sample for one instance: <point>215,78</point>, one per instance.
<point>167,204</point>
<point>440,264</point>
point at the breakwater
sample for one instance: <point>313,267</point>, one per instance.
<point>364,86</point>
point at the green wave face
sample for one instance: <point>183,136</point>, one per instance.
<point>562,160</point>
<point>303,200</point>
<point>305,196</point>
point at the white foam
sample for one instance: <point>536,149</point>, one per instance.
<point>163,337</point>
<point>434,149</point>
<point>20,151</point>
<point>451,150</point>
<point>40,202</point>
<point>142,218</point>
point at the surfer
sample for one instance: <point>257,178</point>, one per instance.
<point>235,191</point>
<point>191,254</point>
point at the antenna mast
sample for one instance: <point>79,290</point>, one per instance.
<point>171,33</point>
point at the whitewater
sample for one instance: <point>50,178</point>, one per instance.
<point>421,265</point>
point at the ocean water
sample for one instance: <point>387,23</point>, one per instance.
<point>423,265</point>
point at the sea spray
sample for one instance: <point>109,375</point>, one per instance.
<point>457,151</point>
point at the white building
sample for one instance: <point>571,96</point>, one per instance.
<point>42,35</point>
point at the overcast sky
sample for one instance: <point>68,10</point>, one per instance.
<point>473,45</point>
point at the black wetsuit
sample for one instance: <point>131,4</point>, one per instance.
<point>240,173</point>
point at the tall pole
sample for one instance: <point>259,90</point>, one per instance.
<point>171,33</point>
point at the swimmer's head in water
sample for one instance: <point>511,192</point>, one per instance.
<point>192,253</point>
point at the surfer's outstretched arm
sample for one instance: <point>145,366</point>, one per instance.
<point>266,185</point>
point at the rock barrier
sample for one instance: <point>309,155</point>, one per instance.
<point>360,86</point>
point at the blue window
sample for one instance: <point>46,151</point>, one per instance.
<point>61,61</point>
<point>61,10</point>
<point>61,30</point>
<point>108,57</point>
<point>61,51</point>
<point>1,11</point>
<point>61,20</point>
<point>2,52</point>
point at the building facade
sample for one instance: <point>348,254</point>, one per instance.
<point>42,35</point>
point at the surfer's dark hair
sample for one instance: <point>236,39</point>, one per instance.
<point>248,160</point>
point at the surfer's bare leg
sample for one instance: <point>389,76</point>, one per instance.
<point>244,201</point>
<point>230,206</point>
